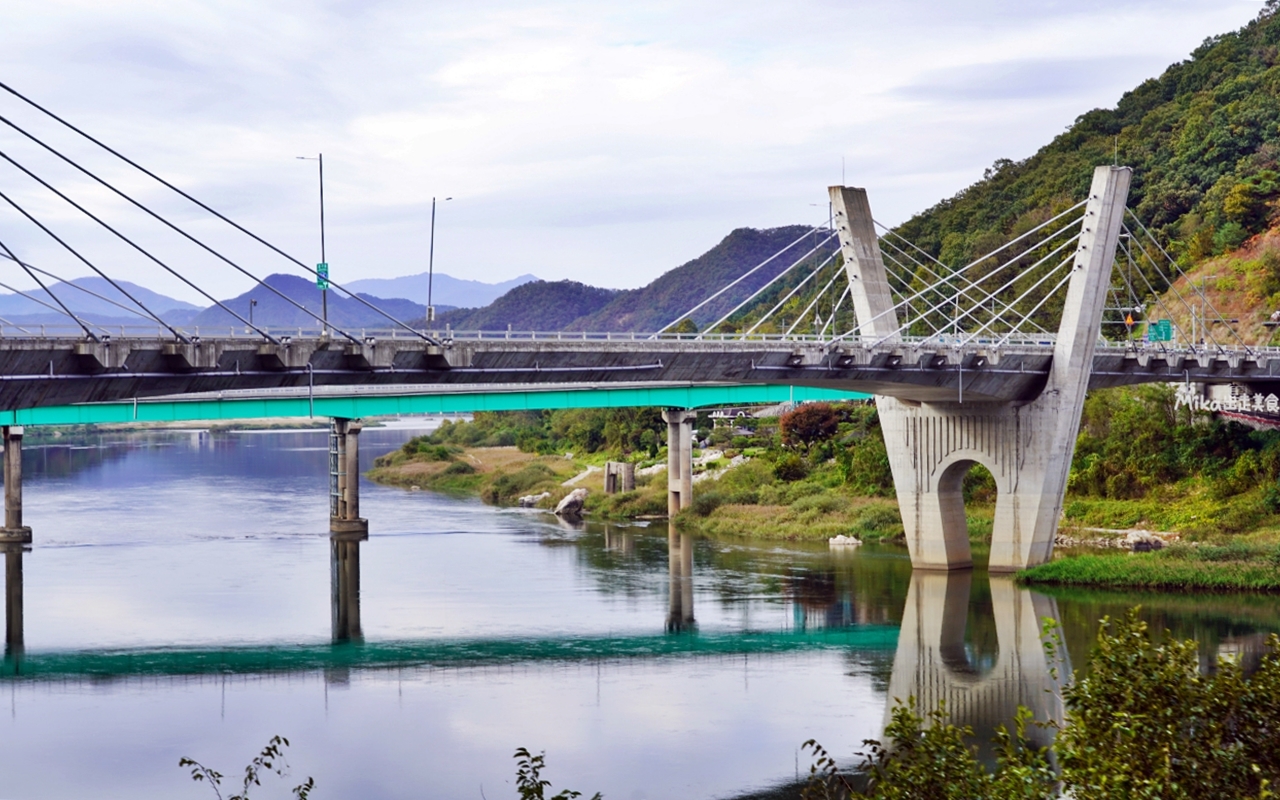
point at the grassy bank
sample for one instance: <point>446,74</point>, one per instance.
<point>499,475</point>
<point>1233,567</point>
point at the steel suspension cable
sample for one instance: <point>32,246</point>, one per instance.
<point>40,283</point>
<point>771,282</point>
<point>1009,306</point>
<point>1006,285</point>
<point>135,246</point>
<point>1176,293</point>
<point>814,303</point>
<point>790,294</point>
<point>1037,307</point>
<point>172,226</point>
<point>90,265</point>
<point>970,266</point>
<point>211,210</point>
<point>1174,263</point>
<point>738,280</point>
<point>78,287</point>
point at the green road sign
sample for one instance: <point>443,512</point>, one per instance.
<point>1160,331</point>
<point>322,276</point>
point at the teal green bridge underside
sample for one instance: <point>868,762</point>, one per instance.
<point>454,402</point>
<point>437,654</point>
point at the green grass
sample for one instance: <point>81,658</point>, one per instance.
<point>1223,569</point>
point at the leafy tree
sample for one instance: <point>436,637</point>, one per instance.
<point>809,424</point>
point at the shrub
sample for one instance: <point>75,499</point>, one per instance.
<point>790,467</point>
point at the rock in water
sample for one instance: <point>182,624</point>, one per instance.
<point>531,500</point>
<point>571,505</point>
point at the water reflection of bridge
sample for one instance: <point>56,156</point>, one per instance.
<point>935,665</point>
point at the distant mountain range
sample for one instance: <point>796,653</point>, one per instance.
<point>523,303</point>
<point>76,295</point>
<point>446,291</point>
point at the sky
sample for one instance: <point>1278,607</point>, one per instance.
<point>599,142</point>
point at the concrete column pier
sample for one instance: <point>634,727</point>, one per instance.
<point>344,479</point>
<point>679,458</point>
<point>619,476</point>
<point>1026,446</point>
<point>344,573</point>
<point>932,663</point>
<point>680,569</point>
<point>13,530</point>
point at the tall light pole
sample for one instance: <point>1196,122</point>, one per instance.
<point>322,269</point>
<point>431,261</point>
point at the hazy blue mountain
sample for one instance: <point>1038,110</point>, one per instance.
<point>19,309</point>
<point>275,311</point>
<point>447,291</point>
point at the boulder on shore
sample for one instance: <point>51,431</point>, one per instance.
<point>571,505</point>
<point>531,500</point>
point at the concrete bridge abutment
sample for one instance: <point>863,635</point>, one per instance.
<point>344,480</point>
<point>1026,446</point>
<point>679,458</point>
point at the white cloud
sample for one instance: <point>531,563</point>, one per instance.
<point>605,143</point>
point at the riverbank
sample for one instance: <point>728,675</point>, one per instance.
<point>1183,567</point>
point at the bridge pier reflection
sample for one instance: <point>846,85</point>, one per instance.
<point>344,575</point>
<point>680,570</point>
<point>13,636</point>
<point>13,530</point>
<point>933,663</point>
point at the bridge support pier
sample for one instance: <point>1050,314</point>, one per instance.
<point>344,479</point>
<point>679,458</point>
<point>13,530</point>
<point>1026,446</point>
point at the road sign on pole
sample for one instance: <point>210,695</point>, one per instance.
<point>322,277</point>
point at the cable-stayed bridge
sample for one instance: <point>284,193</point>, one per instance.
<point>985,362</point>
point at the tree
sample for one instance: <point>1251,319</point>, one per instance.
<point>809,424</point>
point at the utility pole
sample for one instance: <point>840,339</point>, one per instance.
<point>431,261</point>
<point>322,269</point>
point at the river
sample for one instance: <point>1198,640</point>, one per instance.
<point>179,601</point>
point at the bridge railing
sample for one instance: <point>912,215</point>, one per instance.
<point>941,342</point>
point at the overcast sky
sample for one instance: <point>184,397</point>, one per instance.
<point>602,142</point>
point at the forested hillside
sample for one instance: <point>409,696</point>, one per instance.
<point>666,299</point>
<point>533,306</point>
<point>1203,139</point>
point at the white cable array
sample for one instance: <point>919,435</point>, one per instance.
<point>771,282</point>
<point>790,294</point>
<point>820,294</point>
<point>1199,291</point>
<point>1007,284</point>
<point>959,273</point>
<point>688,314</point>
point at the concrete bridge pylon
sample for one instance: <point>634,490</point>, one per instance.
<point>1027,447</point>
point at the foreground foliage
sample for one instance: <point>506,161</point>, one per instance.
<point>1141,722</point>
<point>270,759</point>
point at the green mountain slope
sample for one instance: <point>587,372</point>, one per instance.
<point>533,306</point>
<point>1203,139</point>
<point>668,298</point>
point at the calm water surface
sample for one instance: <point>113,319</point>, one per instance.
<point>179,601</point>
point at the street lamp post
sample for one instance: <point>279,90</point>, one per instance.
<point>322,269</point>
<point>252,303</point>
<point>431,261</point>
